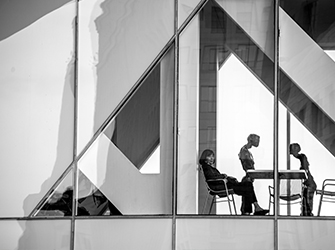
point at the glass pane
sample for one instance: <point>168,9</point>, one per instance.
<point>306,234</point>
<point>135,130</point>
<point>185,8</point>
<point>307,93</point>
<point>154,234</point>
<point>118,40</point>
<point>35,234</point>
<point>36,98</point>
<point>139,137</point>
<point>229,234</point>
<point>187,110</point>
<point>91,200</point>
<point>59,201</point>
<point>226,94</point>
<point>315,18</point>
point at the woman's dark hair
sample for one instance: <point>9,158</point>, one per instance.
<point>204,154</point>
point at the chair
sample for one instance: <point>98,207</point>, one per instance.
<point>225,195</point>
<point>289,193</point>
<point>327,192</point>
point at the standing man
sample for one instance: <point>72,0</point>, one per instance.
<point>309,185</point>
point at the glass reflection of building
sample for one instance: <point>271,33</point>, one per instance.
<point>107,105</point>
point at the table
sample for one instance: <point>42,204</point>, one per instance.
<point>282,174</point>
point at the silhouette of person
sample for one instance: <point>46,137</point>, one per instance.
<point>247,161</point>
<point>309,185</point>
<point>244,189</point>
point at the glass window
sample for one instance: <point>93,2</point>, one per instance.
<point>306,234</point>
<point>150,234</point>
<point>37,99</point>
<point>117,42</point>
<point>135,130</point>
<point>35,234</point>
<point>131,158</point>
<point>307,93</point>
<point>315,18</point>
<point>226,85</point>
<point>223,233</point>
<point>128,168</point>
<point>59,200</point>
<point>185,8</point>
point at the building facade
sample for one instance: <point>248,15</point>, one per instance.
<point>107,105</point>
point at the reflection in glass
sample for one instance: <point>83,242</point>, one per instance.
<point>59,201</point>
<point>118,40</point>
<point>307,88</point>
<point>316,18</point>
<point>37,97</point>
<point>139,137</point>
<point>35,234</point>
<point>187,118</point>
<point>91,200</point>
<point>135,130</point>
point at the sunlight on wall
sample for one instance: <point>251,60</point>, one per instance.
<point>331,54</point>
<point>151,166</point>
<point>245,106</point>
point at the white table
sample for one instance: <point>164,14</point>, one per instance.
<point>282,174</point>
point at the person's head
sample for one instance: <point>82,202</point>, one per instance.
<point>294,148</point>
<point>207,156</point>
<point>253,140</point>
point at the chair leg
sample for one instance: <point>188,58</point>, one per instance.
<point>321,197</point>
<point>229,204</point>
<point>232,196</point>
<point>213,201</point>
<point>205,204</point>
<point>210,209</point>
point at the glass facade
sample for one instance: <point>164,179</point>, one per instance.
<point>103,129</point>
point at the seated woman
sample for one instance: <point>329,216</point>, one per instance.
<point>244,189</point>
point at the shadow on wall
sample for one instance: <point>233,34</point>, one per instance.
<point>16,15</point>
<point>31,11</point>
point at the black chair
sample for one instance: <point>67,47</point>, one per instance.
<point>289,193</point>
<point>327,192</point>
<point>224,195</point>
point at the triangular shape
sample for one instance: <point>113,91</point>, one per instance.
<point>136,128</point>
<point>91,201</point>
<point>291,95</point>
<point>59,200</point>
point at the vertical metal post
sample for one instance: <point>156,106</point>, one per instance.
<point>288,140</point>
<point>175,126</point>
<point>75,129</point>
<point>276,98</point>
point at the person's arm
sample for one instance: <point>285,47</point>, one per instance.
<point>212,173</point>
<point>247,164</point>
<point>305,165</point>
<point>304,162</point>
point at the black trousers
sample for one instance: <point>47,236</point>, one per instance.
<point>246,190</point>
